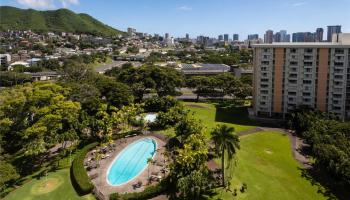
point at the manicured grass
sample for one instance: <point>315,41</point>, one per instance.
<point>57,185</point>
<point>213,114</point>
<point>265,163</point>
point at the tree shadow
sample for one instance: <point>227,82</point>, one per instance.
<point>232,113</point>
<point>327,185</point>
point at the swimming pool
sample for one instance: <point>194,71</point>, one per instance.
<point>131,161</point>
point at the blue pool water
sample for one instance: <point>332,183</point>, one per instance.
<point>131,161</point>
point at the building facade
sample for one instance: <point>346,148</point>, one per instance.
<point>226,37</point>
<point>289,75</point>
<point>319,35</point>
<point>235,37</point>
<point>332,30</point>
<point>268,36</point>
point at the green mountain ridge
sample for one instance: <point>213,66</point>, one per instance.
<point>61,20</point>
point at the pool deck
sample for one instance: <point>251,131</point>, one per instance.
<point>100,182</point>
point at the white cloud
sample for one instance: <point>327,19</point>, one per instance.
<point>41,4</point>
<point>184,8</point>
<point>66,3</point>
<point>297,4</point>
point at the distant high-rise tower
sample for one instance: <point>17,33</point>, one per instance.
<point>187,36</point>
<point>332,30</point>
<point>221,38</point>
<point>268,37</point>
<point>319,35</point>
<point>253,37</point>
<point>283,34</point>
<point>226,37</point>
<point>235,37</point>
<point>167,35</point>
<point>303,37</point>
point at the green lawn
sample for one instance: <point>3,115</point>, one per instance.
<point>213,114</point>
<point>265,163</point>
<point>57,185</point>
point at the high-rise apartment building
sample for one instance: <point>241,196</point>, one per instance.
<point>332,30</point>
<point>235,37</point>
<point>303,37</point>
<point>220,38</point>
<point>253,37</point>
<point>226,37</point>
<point>187,36</point>
<point>289,75</point>
<point>268,37</point>
<point>167,36</point>
<point>319,35</point>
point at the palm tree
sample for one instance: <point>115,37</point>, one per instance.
<point>225,140</point>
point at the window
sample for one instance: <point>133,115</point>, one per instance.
<point>308,50</point>
<point>307,81</point>
<point>338,64</point>
<point>307,63</point>
<point>292,81</point>
<point>293,50</point>
<point>308,69</point>
<point>293,75</point>
<point>264,92</point>
<point>307,75</point>
<point>338,71</point>
<point>339,51</point>
<point>337,95</point>
<point>306,100</point>
<point>308,57</point>
<point>338,77</point>
<point>293,63</point>
<point>292,93</point>
<point>265,62</point>
<point>264,80</point>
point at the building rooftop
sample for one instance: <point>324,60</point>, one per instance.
<point>302,44</point>
<point>341,40</point>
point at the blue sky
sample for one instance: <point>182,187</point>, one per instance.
<point>206,17</point>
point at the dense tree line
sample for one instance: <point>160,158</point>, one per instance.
<point>219,86</point>
<point>145,79</point>
<point>329,141</point>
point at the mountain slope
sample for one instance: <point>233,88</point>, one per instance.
<point>61,20</point>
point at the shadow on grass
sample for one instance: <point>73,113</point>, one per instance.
<point>231,113</point>
<point>326,184</point>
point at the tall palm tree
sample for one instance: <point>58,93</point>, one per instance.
<point>225,139</point>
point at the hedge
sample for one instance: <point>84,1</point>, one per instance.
<point>79,177</point>
<point>148,193</point>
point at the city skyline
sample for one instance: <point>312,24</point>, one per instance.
<point>209,18</point>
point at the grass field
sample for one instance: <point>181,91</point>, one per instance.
<point>57,186</point>
<point>265,163</point>
<point>213,114</point>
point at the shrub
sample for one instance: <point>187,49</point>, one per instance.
<point>148,193</point>
<point>170,118</point>
<point>79,177</point>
